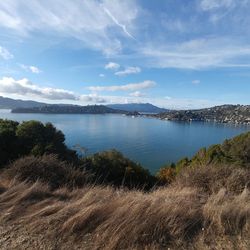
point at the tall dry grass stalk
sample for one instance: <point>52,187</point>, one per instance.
<point>190,214</point>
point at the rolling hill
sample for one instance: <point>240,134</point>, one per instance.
<point>70,109</point>
<point>223,114</point>
<point>139,107</point>
<point>8,103</point>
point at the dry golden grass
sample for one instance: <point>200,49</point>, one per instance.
<point>47,169</point>
<point>212,178</point>
<point>186,215</point>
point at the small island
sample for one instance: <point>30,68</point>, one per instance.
<point>69,109</point>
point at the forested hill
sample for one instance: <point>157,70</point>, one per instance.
<point>70,109</point>
<point>139,107</point>
<point>235,151</point>
<point>225,114</point>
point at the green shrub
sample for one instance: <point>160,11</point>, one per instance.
<point>32,138</point>
<point>112,167</point>
<point>235,151</point>
<point>9,146</point>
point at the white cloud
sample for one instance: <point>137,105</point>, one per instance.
<point>101,75</point>
<point>185,103</point>
<point>197,54</point>
<point>127,87</point>
<point>128,71</point>
<point>87,21</point>
<point>35,70</point>
<point>32,69</point>
<point>93,98</point>
<point>112,65</point>
<point>5,54</point>
<point>137,94</point>
<point>24,87</point>
<point>168,97</point>
<point>196,82</point>
<point>117,22</point>
<point>168,102</point>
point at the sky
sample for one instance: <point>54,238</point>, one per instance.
<point>172,53</point>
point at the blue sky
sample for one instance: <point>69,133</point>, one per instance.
<point>172,53</point>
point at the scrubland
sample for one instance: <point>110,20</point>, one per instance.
<point>204,208</point>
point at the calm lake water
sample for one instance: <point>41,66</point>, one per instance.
<point>149,141</point>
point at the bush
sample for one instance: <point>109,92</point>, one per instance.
<point>235,151</point>
<point>32,138</point>
<point>46,169</point>
<point>166,174</point>
<point>212,178</point>
<point>238,149</point>
<point>8,141</point>
<point>113,168</point>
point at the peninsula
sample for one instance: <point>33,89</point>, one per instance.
<point>237,114</point>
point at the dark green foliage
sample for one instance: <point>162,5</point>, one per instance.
<point>112,167</point>
<point>181,164</point>
<point>238,149</point>
<point>8,141</point>
<point>32,137</point>
<point>235,151</point>
<point>38,139</point>
<point>69,109</point>
<point>213,154</point>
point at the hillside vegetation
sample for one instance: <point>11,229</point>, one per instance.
<point>139,107</point>
<point>191,213</point>
<point>31,137</point>
<point>35,138</point>
<point>233,152</point>
<point>239,114</point>
<point>105,201</point>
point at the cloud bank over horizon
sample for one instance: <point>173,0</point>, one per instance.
<point>194,50</point>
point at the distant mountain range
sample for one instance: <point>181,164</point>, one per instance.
<point>238,114</point>
<point>8,103</point>
<point>139,107</point>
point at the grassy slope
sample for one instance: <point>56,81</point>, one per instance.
<point>188,214</point>
<point>47,204</point>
